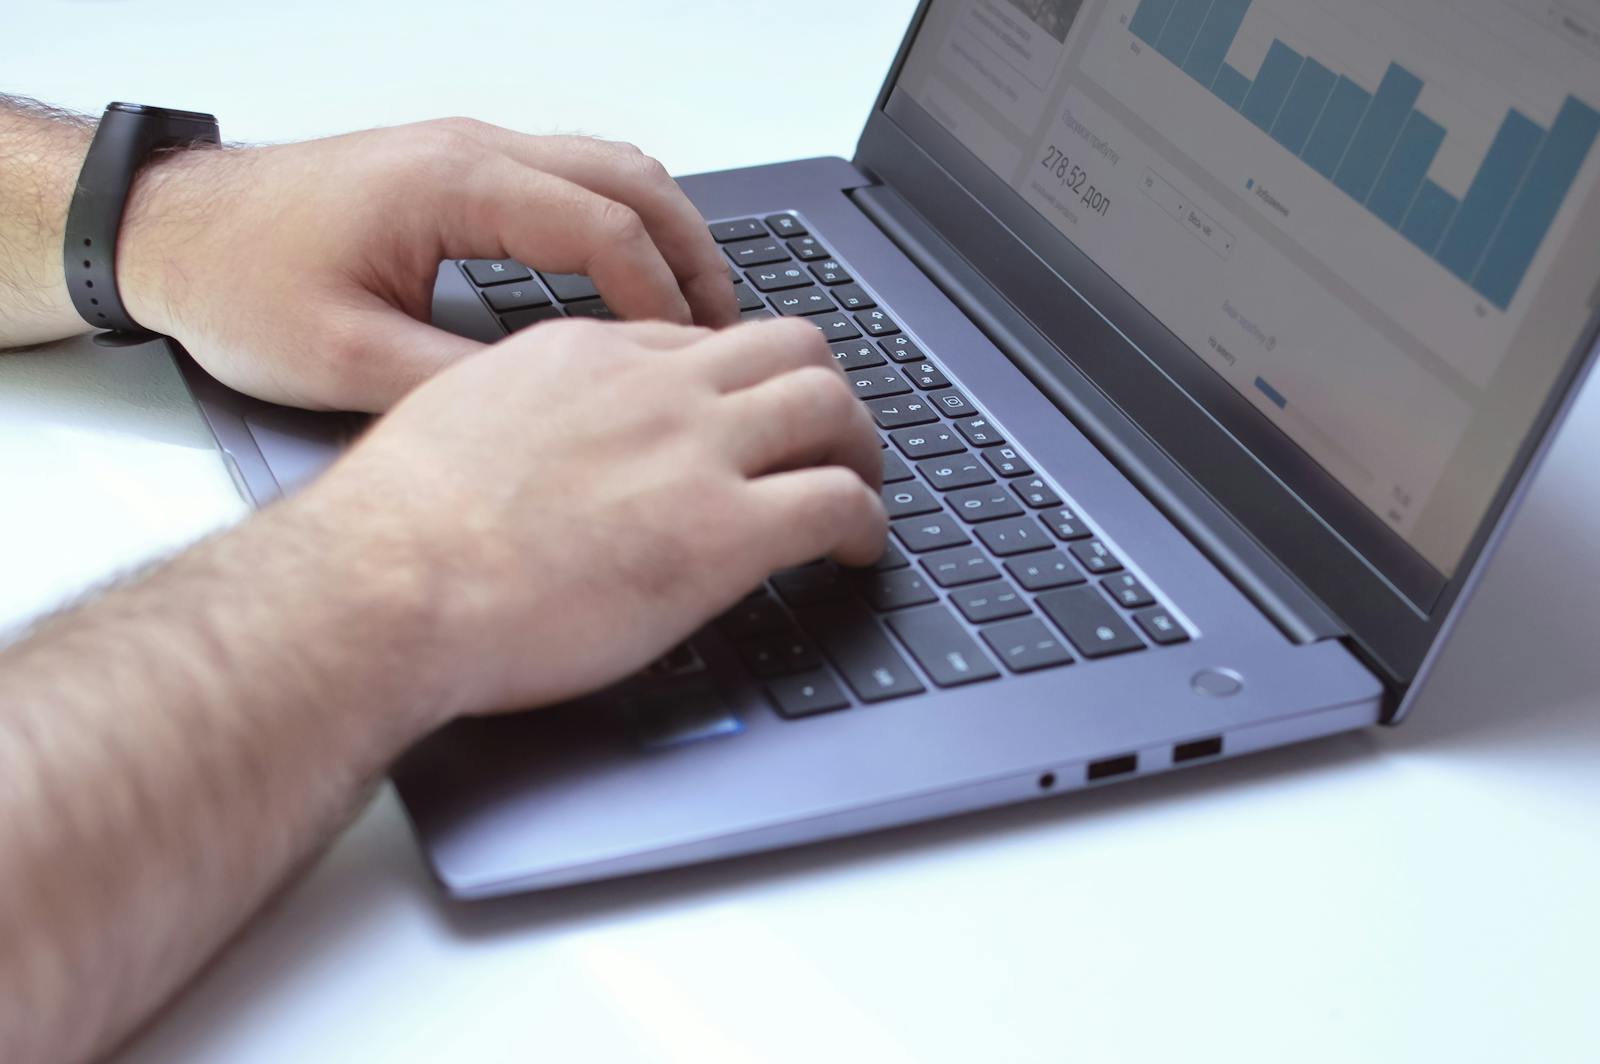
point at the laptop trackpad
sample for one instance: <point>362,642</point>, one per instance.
<point>297,444</point>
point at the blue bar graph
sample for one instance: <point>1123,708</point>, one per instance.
<point>1182,27</point>
<point>1312,87</point>
<point>1430,212</point>
<point>1230,86</point>
<point>1489,194</point>
<point>1401,177</point>
<point>1271,86</point>
<point>1377,147</point>
<point>1216,34</point>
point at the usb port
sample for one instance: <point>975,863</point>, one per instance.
<point>1196,749</point>
<point>1112,766</point>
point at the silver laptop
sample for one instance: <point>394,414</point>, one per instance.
<point>1212,344</point>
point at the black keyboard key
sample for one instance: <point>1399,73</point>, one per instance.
<point>756,252</point>
<point>1127,591</point>
<point>895,469</point>
<point>933,532</point>
<point>516,297</point>
<point>758,314</point>
<point>1160,626</point>
<point>908,500</point>
<point>785,225</point>
<point>1089,621</point>
<point>798,301</point>
<point>959,471</point>
<point>521,319</point>
<point>1039,571</point>
<point>900,411</point>
<point>990,503</point>
<point>738,229</point>
<point>486,272</point>
<point>1014,536</point>
<point>777,278</point>
<point>830,271</point>
<point>809,585</point>
<point>591,308</point>
<point>930,442</point>
<point>748,298</point>
<point>861,651</point>
<point>942,647</point>
<point>807,249</point>
<point>876,323</point>
<point>891,558</point>
<point>809,692</point>
<point>963,565</point>
<point>1026,644</point>
<point>1064,524</point>
<point>993,601</point>
<point>570,287</point>
<point>834,326</point>
<point>901,349</point>
<point>1006,461</point>
<point>1095,557</point>
<point>856,354</point>
<point>952,403</point>
<point>897,589</point>
<point>877,383</point>
<point>1036,493</point>
<point>779,653</point>
<point>853,297</point>
<point>927,376</point>
<point>980,433</point>
<point>754,615</point>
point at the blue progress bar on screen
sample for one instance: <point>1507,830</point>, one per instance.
<point>1376,147</point>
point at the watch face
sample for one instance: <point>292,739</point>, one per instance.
<point>167,113</point>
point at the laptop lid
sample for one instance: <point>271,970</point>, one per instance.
<point>1341,261</point>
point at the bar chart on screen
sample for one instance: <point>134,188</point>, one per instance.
<point>1370,139</point>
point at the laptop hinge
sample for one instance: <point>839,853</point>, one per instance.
<point>1269,585</point>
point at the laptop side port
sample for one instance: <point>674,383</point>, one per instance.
<point>1112,766</point>
<point>1195,749</point>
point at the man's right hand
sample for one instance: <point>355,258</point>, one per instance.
<point>576,499</point>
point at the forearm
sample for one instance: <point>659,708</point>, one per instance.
<point>41,152</point>
<point>171,751</point>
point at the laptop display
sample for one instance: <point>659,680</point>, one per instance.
<point>1375,220</point>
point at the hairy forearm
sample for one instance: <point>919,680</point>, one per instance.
<point>41,152</point>
<point>171,751</point>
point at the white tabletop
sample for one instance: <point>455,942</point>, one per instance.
<point>1422,893</point>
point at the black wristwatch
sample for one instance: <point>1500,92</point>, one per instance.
<point>129,134</point>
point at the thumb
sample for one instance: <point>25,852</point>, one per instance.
<point>393,353</point>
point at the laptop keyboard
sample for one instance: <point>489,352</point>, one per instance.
<point>989,570</point>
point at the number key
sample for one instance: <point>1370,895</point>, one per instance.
<point>960,471</point>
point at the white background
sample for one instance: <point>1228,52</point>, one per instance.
<point>1427,893</point>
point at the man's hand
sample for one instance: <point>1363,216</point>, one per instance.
<point>304,273</point>
<point>582,496</point>
<point>539,520</point>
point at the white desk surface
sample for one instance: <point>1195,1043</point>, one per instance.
<point>1426,893</point>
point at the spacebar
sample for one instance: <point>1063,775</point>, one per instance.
<point>861,651</point>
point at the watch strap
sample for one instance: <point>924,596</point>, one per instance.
<point>127,136</point>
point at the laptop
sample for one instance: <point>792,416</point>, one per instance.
<point>1212,345</point>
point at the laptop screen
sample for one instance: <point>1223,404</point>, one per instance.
<point>1375,220</point>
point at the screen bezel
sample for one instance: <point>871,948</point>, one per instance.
<point>1392,601</point>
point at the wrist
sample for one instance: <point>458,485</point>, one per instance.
<point>171,213</point>
<point>341,591</point>
<point>44,151</point>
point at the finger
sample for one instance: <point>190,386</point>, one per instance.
<point>506,210</point>
<point>803,418</point>
<point>386,353</point>
<point>623,173</point>
<point>805,514</point>
<point>748,354</point>
<point>660,335</point>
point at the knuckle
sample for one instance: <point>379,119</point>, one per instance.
<point>620,224</point>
